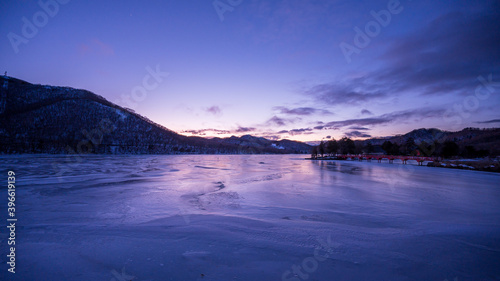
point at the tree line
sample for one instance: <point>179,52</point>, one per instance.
<point>446,149</point>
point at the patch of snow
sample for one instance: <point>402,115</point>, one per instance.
<point>122,115</point>
<point>277,146</point>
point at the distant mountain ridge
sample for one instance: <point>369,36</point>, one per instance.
<point>50,119</point>
<point>469,141</point>
<point>481,138</point>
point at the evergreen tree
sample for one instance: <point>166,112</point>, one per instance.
<point>370,148</point>
<point>450,148</point>
<point>332,147</point>
<point>347,146</point>
<point>314,153</point>
<point>321,148</point>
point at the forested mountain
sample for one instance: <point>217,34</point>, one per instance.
<point>48,119</point>
<point>468,138</point>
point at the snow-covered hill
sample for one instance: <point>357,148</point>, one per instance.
<point>48,119</point>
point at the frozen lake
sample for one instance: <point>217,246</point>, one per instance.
<point>249,217</point>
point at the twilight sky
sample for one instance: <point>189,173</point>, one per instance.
<point>295,69</point>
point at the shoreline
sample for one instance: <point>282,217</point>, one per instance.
<point>483,165</point>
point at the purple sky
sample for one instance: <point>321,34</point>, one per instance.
<point>292,69</point>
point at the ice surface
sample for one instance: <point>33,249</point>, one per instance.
<point>249,218</point>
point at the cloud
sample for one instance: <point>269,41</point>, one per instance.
<point>96,46</point>
<point>357,134</point>
<point>355,127</point>
<point>272,137</point>
<point>203,132</point>
<point>277,121</point>
<point>301,131</point>
<point>294,132</point>
<point>358,128</point>
<point>398,116</point>
<point>359,122</point>
<point>244,130</point>
<point>447,54</point>
<point>489,121</point>
<point>301,111</point>
<point>366,112</point>
<point>443,56</point>
<point>354,92</point>
<point>215,110</point>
